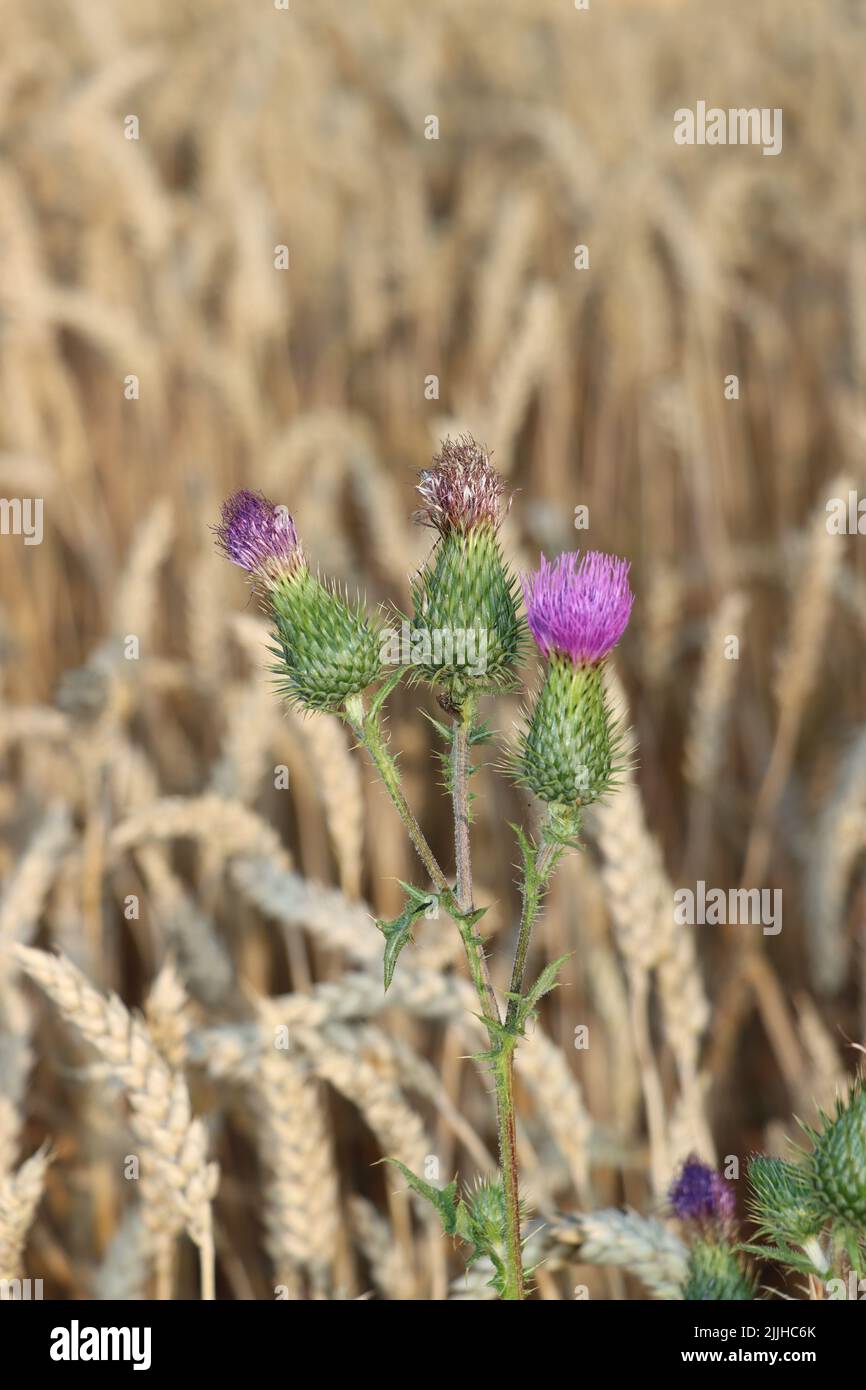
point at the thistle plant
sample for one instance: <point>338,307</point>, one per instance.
<point>467,641</point>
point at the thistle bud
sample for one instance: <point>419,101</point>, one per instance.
<point>838,1161</point>
<point>716,1274</point>
<point>577,611</point>
<point>327,650</point>
<point>465,629</point>
<point>783,1204</point>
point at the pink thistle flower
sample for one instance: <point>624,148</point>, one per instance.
<point>462,490</point>
<point>699,1193</point>
<point>259,536</point>
<point>579,608</point>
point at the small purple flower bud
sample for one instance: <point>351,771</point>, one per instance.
<point>259,536</point>
<point>699,1193</point>
<point>578,607</point>
<point>462,490</point>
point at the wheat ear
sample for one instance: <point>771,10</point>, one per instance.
<point>174,1145</point>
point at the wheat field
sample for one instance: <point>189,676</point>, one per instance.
<point>231,255</point>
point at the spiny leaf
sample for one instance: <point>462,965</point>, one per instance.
<point>442,729</point>
<point>481,733</point>
<point>398,931</point>
<point>543,985</point>
<point>444,1199</point>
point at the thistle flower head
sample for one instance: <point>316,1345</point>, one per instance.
<point>699,1193</point>
<point>578,607</point>
<point>461,490</point>
<point>326,648</point>
<point>259,536</point>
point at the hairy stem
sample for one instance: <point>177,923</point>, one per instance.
<point>460,771</point>
<point>534,885</point>
<point>504,1071</point>
<point>503,1066</point>
<point>368,731</point>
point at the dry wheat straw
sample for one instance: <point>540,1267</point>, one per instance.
<point>541,1064</point>
<point>136,595</point>
<point>174,1145</point>
<point>301,1195</point>
<point>20,1194</point>
<point>383,1254</point>
<point>640,1244</point>
<point>713,695</point>
<point>834,851</point>
<point>226,828</point>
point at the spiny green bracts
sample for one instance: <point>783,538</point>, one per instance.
<point>837,1163</point>
<point>783,1203</point>
<point>326,648</point>
<point>716,1274</point>
<point>569,750</point>
<point>465,630</point>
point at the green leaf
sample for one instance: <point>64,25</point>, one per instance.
<point>442,729</point>
<point>444,1199</point>
<point>527,849</point>
<point>384,691</point>
<point>783,1255</point>
<point>480,733</point>
<point>398,931</point>
<point>543,985</point>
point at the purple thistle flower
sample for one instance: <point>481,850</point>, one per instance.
<point>462,490</point>
<point>578,607</point>
<point>699,1193</point>
<point>259,536</point>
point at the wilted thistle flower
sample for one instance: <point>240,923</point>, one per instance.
<point>577,610</point>
<point>326,648</point>
<point>837,1164</point>
<point>700,1194</point>
<point>465,628</point>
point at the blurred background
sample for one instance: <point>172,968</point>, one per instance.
<point>185,842</point>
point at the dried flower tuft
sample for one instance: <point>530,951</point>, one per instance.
<point>462,490</point>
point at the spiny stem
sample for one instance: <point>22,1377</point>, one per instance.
<point>460,798</point>
<point>460,769</point>
<point>503,1066</point>
<point>368,731</point>
<point>504,1070</point>
<point>534,885</point>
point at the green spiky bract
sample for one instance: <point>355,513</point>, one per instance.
<point>569,751</point>
<point>783,1203</point>
<point>477,1216</point>
<point>466,588</point>
<point>838,1161</point>
<point>716,1274</point>
<point>326,647</point>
